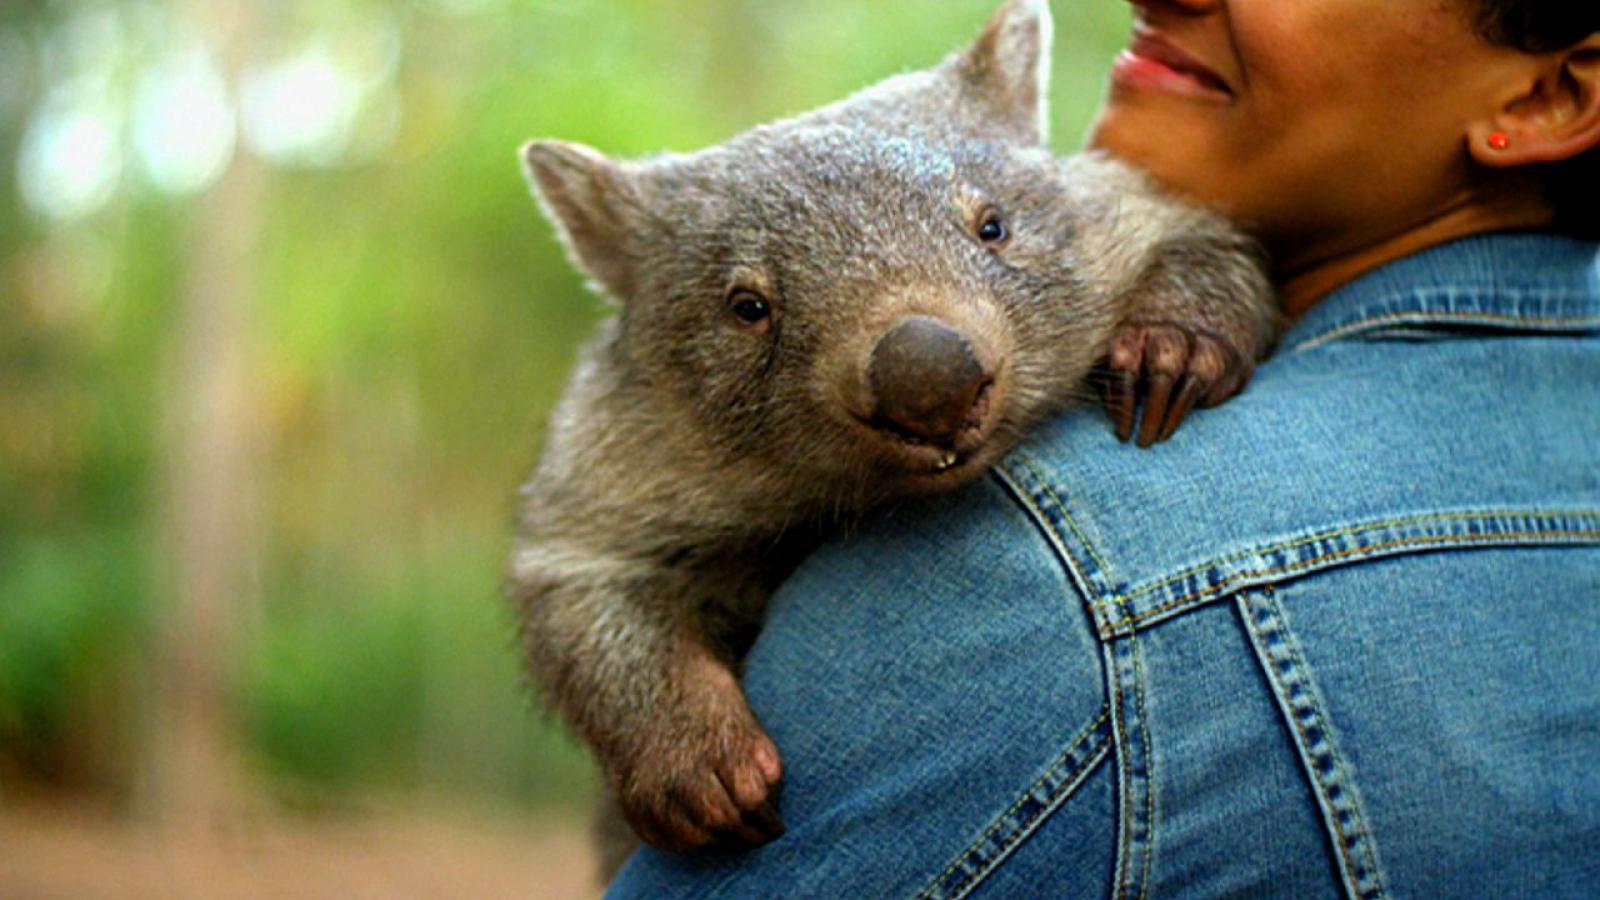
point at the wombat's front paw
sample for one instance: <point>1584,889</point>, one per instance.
<point>1172,369</point>
<point>710,784</point>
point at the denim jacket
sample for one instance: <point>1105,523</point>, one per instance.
<point>1338,638</point>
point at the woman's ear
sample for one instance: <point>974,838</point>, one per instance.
<point>1555,116</point>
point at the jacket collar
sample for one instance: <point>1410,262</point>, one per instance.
<point>1490,283</point>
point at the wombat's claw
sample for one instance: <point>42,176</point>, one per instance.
<point>755,827</point>
<point>1170,368</point>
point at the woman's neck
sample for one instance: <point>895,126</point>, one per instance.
<point>1301,285</point>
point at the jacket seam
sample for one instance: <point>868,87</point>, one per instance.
<point>1089,748</point>
<point>1300,701</point>
<point>1112,607</point>
<point>1352,531</point>
<point>1148,754</point>
<point>1125,782</point>
<point>1111,629</point>
<point>1029,497</point>
<point>1372,323</point>
<point>1060,506</point>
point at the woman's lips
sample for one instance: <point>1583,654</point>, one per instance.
<point>1150,62</point>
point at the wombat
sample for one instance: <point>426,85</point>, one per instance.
<point>871,300</point>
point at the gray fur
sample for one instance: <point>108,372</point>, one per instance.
<point>693,457</point>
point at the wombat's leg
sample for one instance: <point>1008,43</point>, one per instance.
<point>1195,308</point>
<point>622,650</point>
<point>615,841</point>
<point>700,769</point>
<point>1193,328</point>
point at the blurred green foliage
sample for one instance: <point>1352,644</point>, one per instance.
<point>409,324</point>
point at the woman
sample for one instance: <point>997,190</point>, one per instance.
<point>1339,638</point>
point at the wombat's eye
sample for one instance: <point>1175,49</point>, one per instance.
<point>992,228</point>
<point>750,307</point>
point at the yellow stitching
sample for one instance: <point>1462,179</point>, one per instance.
<point>1082,538</point>
<point>1282,626</point>
<point>1294,720</point>
<point>1313,695</point>
<point>1001,821</point>
<point>1090,763</point>
<point>1149,767</point>
<point>1426,318</point>
<point>1109,630</point>
<point>1343,532</point>
<point>1120,721</point>
<point>1061,541</point>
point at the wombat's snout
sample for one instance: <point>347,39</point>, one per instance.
<point>926,380</point>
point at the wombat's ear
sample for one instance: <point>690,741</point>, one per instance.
<point>1006,71</point>
<point>596,206</point>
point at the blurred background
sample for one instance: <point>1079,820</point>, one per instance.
<point>279,331</point>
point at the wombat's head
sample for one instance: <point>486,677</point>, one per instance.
<point>847,292</point>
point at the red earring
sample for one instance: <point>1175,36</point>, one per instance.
<point>1499,140</point>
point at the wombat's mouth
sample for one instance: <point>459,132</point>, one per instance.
<point>936,454</point>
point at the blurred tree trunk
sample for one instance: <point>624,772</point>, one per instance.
<point>213,466</point>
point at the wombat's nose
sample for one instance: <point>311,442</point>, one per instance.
<point>925,378</point>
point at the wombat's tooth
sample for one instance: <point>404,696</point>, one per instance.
<point>949,459</point>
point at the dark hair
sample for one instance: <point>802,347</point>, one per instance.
<point>1540,26</point>
<point>1537,26</point>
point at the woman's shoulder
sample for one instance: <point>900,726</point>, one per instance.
<point>1415,414</point>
